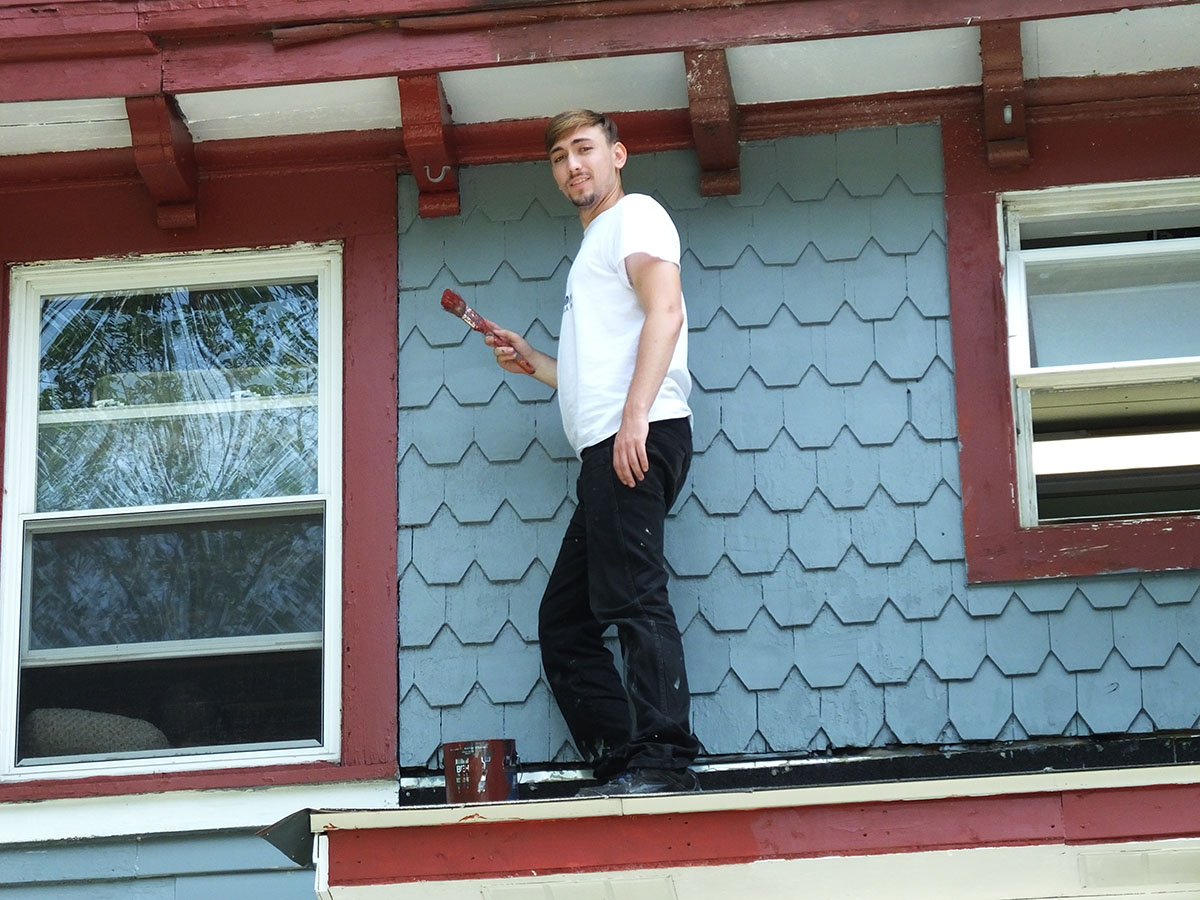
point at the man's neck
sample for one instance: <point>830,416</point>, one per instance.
<point>586,216</point>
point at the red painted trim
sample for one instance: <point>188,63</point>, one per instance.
<point>165,157</point>
<point>1003,93</point>
<point>67,47</point>
<point>356,204</point>
<point>500,849</point>
<point>213,779</point>
<point>1062,153</point>
<point>331,150</point>
<point>209,48</point>
<point>179,18</point>
<point>426,141</point>
<point>1049,101</point>
<point>369,631</point>
<point>714,115</point>
<point>1123,814</point>
<point>80,77</point>
<point>486,849</point>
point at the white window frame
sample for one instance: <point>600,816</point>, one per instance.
<point>1090,206</point>
<point>30,282</point>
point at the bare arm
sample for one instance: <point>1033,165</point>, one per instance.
<point>545,367</point>
<point>660,294</point>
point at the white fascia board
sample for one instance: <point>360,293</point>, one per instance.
<point>855,66</point>
<point>357,105</point>
<point>1123,42</point>
<point>172,812</point>
<point>63,125</point>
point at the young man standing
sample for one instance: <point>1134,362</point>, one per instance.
<point>623,388</point>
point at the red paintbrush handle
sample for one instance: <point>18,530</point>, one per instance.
<point>455,305</point>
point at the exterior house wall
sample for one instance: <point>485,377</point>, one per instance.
<point>817,552</point>
<point>235,866</point>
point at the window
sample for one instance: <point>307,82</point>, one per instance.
<point>171,526</point>
<point>1103,298</point>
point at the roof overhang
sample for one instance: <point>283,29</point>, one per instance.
<point>166,91</point>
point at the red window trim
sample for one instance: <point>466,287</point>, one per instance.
<point>354,203</point>
<point>1063,151</point>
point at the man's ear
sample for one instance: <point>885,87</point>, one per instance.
<point>620,154</point>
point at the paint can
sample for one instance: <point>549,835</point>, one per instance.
<point>480,771</point>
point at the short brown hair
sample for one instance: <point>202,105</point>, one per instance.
<point>572,120</point>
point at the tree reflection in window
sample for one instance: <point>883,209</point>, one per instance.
<point>176,582</point>
<point>208,394</point>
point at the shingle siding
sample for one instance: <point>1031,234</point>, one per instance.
<point>170,867</point>
<point>817,548</point>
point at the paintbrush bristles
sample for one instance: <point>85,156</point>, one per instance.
<point>452,302</point>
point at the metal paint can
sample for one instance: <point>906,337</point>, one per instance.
<point>482,771</point>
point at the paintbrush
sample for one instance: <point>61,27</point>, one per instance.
<point>456,305</point>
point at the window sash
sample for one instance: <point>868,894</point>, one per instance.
<point>198,271</point>
<point>1078,211</point>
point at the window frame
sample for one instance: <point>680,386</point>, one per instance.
<point>1076,204</point>
<point>1077,147</point>
<point>27,285</point>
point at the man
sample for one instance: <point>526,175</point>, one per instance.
<point>623,385</point>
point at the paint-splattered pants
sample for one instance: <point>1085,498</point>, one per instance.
<point>611,572</point>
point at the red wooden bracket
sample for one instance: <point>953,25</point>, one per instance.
<point>1003,94</point>
<point>165,158</point>
<point>425,119</point>
<point>714,116</point>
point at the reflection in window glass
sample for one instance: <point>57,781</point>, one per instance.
<point>177,396</point>
<point>175,582</point>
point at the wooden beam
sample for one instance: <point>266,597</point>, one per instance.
<point>714,116</point>
<point>165,158</point>
<point>79,78</point>
<point>1003,94</point>
<point>425,119</point>
<point>397,48</point>
<point>181,19</point>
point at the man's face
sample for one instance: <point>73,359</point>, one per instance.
<point>587,167</point>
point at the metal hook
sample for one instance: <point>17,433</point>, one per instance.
<point>429,175</point>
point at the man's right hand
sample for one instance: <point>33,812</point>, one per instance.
<point>508,344</point>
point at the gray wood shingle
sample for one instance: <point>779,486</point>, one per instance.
<point>917,710</point>
<point>1111,697</point>
<point>1081,637</point>
<point>852,714</point>
<point>1045,703</point>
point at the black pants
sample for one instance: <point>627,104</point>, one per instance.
<point>611,572</point>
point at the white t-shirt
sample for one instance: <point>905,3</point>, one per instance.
<point>602,324</point>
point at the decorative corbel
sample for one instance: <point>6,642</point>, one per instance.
<point>1003,94</point>
<point>714,116</point>
<point>165,158</point>
<point>425,117</point>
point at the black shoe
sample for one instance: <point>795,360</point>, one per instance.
<point>645,781</point>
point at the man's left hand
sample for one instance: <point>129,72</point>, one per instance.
<point>629,451</point>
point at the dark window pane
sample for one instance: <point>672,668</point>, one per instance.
<point>176,582</point>
<point>165,706</point>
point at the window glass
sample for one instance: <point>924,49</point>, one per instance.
<point>177,582</point>
<point>1114,309</point>
<point>177,396</point>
